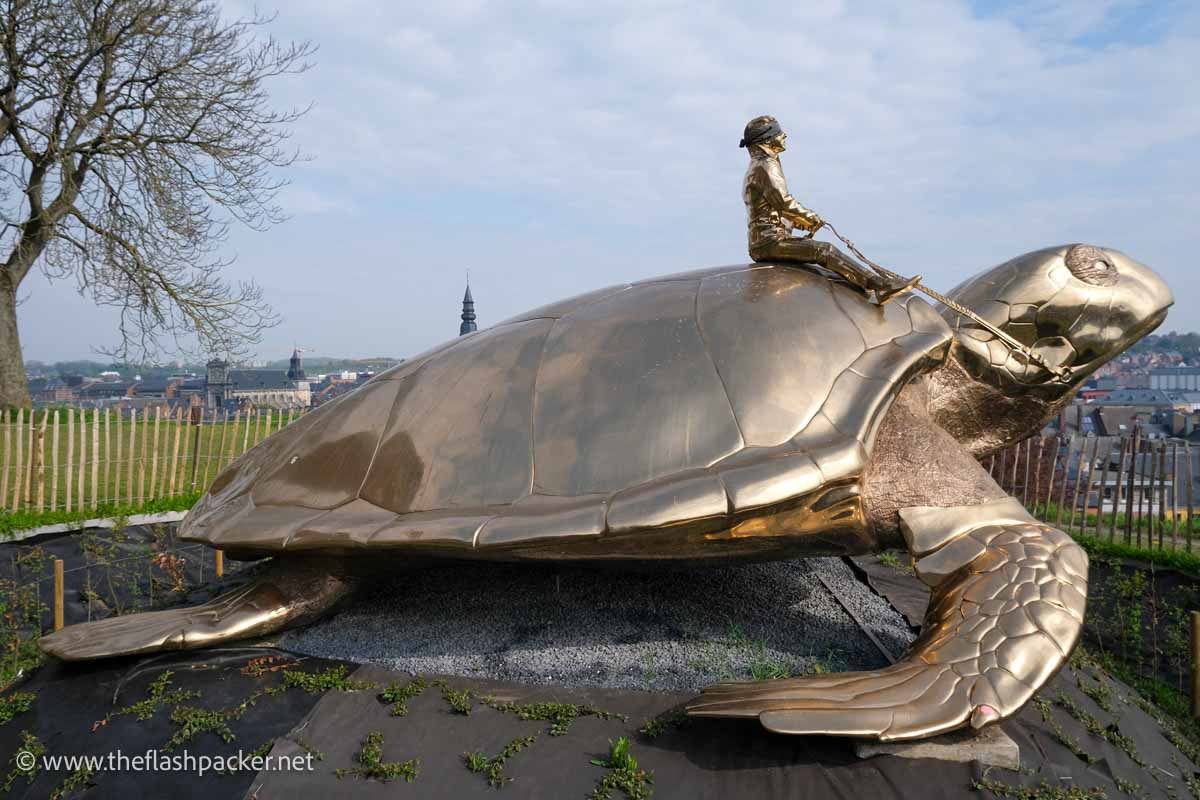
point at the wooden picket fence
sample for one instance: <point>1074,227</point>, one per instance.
<point>1134,488</point>
<point>76,459</point>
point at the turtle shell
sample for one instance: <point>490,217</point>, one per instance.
<point>681,403</point>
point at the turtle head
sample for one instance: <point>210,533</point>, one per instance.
<point>1073,307</point>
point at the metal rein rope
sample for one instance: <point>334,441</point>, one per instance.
<point>1061,373</point>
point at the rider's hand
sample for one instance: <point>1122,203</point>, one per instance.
<point>815,222</point>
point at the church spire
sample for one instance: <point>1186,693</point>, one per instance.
<point>468,312</point>
<point>296,366</point>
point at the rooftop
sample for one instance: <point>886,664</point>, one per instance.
<point>1134,397</point>
<point>260,379</point>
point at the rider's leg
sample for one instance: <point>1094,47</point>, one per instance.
<point>810,251</point>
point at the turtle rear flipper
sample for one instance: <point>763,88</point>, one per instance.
<point>1006,610</point>
<point>292,592</point>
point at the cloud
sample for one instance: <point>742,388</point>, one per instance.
<point>557,146</point>
<point>307,201</point>
<point>569,95</point>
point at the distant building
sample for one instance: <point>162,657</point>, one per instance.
<point>52,390</point>
<point>218,390</point>
<point>295,371</point>
<point>335,385</point>
<point>1122,411</point>
<point>1122,421</point>
<point>106,390</point>
<point>468,313</point>
<point>1176,378</point>
<point>226,387</point>
<point>1186,401</point>
<point>154,387</point>
<point>1150,398</point>
<point>1184,425</point>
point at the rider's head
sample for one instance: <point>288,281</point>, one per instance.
<point>765,133</point>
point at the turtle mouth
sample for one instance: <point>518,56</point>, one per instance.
<point>1057,362</point>
<point>1082,366</point>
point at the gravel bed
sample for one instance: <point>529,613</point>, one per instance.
<point>657,631</point>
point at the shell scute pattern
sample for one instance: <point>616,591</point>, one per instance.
<point>638,407</point>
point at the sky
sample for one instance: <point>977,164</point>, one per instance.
<point>552,147</point>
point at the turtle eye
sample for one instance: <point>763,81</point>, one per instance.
<point>1090,265</point>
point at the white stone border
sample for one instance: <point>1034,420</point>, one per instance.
<point>104,522</point>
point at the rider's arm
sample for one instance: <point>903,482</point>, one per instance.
<point>776,192</point>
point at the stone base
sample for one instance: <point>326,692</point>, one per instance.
<point>991,747</point>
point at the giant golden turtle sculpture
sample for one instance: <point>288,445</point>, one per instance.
<point>747,412</point>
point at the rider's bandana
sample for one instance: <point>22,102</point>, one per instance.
<point>771,131</point>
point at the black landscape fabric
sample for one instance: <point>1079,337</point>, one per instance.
<point>107,571</point>
<point>906,594</point>
<point>1084,731</point>
<point>72,700</point>
<point>699,759</point>
<point>703,758</point>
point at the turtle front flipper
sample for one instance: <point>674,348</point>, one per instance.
<point>1005,612</point>
<point>292,592</point>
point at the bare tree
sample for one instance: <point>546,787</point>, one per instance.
<point>132,132</point>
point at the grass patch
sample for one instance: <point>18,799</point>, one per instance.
<point>477,762</point>
<point>193,721</point>
<point>1129,788</point>
<point>1043,791</point>
<point>14,521</point>
<point>459,699</point>
<point>1174,558</point>
<point>664,722</point>
<point>1061,736</point>
<point>761,665</point>
<point>332,679</point>
<point>21,613</point>
<point>29,744</point>
<point>1181,560</point>
<point>1109,733</point>
<point>259,752</point>
<point>399,695</point>
<point>890,559</point>
<point>371,765</point>
<point>14,704</point>
<point>308,747</point>
<point>1100,692</point>
<point>559,715</point>
<point>74,782</point>
<point>1169,707</point>
<point>624,775</point>
<point>156,697</point>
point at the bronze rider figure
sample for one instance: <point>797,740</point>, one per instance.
<point>773,212</point>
